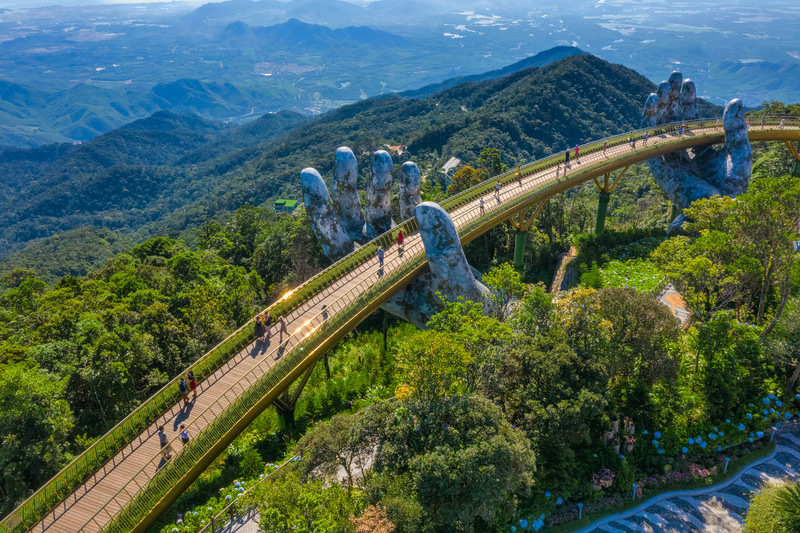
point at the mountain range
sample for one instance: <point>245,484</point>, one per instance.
<point>167,174</point>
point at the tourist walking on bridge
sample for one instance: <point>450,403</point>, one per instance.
<point>566,162</point>
<point>483,211</point>
<point>184,391</point>
<point>163,440</point>
<point>577,160</point>
<point>400,239</point>
<point>184,435</point>
<point>605,147</point>
<point>192,383</point>
<point>267,323</point>
<point>497,190</point>
<point>380,255</point>
<point>646,136</point>
<point>282,328</point>
<point>259,327</point>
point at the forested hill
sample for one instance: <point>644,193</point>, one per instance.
<point>539,60</point>
<point>150,180</point>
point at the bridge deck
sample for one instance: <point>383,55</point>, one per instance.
<point>138,461</point>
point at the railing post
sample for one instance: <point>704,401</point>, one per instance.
<point>213,526</point>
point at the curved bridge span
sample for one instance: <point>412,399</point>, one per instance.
<point>122,483</point>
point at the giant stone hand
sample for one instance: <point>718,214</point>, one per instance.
<point>339,223</point>
<point>702,172</point>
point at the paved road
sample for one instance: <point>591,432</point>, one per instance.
<point>717,512</point>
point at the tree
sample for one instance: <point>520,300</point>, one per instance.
<point>464,322</point>
<point>35,422</point>
<point>433,365</point>
<point>708,271</point>
<point>465,178</point>
<point>505,285</point>
<point>340,442</point>
<point>374,520</point>
<point>491,163</point>
<point>459,458</point>
<point>287,505</point>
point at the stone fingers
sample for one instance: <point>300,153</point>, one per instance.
<point>451,275</point>
<point>379,195</point>
<point>739,163</point>
<point>663,99</point>
<point>650,113</point>
<point>410,182</point>
<point>689,100</point>
<point>344,193</point>
<point>332,237</point>
<point>673,107</point>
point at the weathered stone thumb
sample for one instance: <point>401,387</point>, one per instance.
<point>332,237</point>
<point>450,273</point>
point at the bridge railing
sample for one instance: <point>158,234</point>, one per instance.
<point>90,460</point>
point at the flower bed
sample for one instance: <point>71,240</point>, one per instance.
<point>639,274</point>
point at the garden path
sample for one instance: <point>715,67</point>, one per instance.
<point>721,511</point>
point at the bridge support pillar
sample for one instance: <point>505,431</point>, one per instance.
<point>602,209</point>
<point>521,226</point>
<point>674,214</point>
<point>285,418</point>
<point>605,196</point>
<point>795,150</point>
<point>285,404</point>
<point>519,249</point>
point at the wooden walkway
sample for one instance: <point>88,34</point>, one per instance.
<point>131,468</point>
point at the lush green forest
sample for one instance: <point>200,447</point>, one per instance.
<point>166,175</point>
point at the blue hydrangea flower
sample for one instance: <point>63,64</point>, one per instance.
<point>787,416</point>
<point>779,403</point>
<point>660,451</point>
<point>703,445</point>
<point>685,449</point>
<point>750,439</point>
<point>657,434</point>
<point>772,397</point>
<point>715,428</point>
<point>777,424</point>
<point>750,416</point>
<point>740,427</point>
<point>764,412</point>
<point>547,494</point>
<point>721,434</point>
<point>655,442</point>
<point>727,421</point>
<point>559,501</point>
<point>751,433</point>
<point>765,401</point>
<point>760,434</point>
<point>644,432</point>
<point>797,396</point>
<point>712,436</point>
<point>691,441</point>
<point>771,410</point>
<point>622,457</point>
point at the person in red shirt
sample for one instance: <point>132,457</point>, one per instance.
<point>400,239</point>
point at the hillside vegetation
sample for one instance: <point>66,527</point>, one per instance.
<point>167,176</point>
